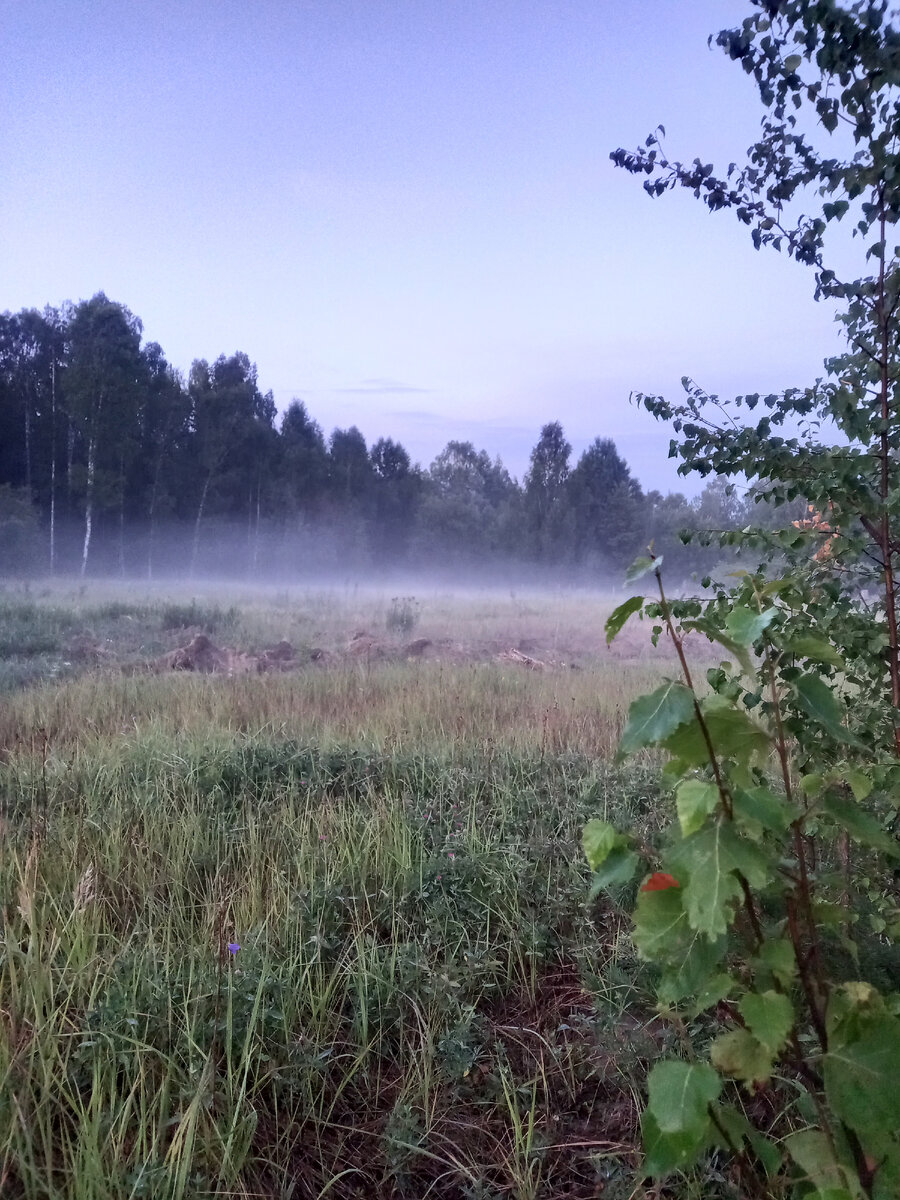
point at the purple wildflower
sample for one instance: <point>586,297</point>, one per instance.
<point>233,948</point>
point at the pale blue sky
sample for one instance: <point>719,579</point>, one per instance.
<point>402,210</point>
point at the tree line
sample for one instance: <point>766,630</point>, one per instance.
<point>112,460</point>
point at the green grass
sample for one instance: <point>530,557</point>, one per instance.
<point>425,1001</point>
<point>421,989</point>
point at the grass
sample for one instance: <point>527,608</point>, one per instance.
<point>424,1002</point>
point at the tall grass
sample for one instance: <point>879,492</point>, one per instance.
<point>424,1001</point>
<point>388,706</point>
<point>420,1003</point>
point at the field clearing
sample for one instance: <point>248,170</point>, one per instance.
<point>320,933</point>
<point>60,630</point>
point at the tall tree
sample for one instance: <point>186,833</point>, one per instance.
<point>227,412</point>
<point>397,488</point>
<point>164,424</point>
<point>304,460</point>
<point>546,498</point>
<point>607,505</point>
<point>104,378</point>
<point>350,470</point>
<point>56,325</point>
<point>29,351</point>
<point>466,504</point>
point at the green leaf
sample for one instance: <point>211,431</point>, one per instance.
<point>599,839</point>
<point>769,1017</point>
<point>812,1152</point>
<point>852,1008</point>
<point>814,648</point>
<point>777,587</point>
<point>860,784</point>
<point>715,989</point>
<point>711,886</point>
<point>792,62</point>
<point>717,635</point>
<point>695,799</point>
<point>654,717</point>
<point>690,974</point>
<point>710,859</point>
<point>861,827</point>
<point>732,733</point>
<point>620,615</point>
<point>739,1128</point>
<point>817,699</point>
<point>667,1152</point>
<point>641,566</point>
<point>747,626</point>
<point>812,784</point>
<point>826,912</point>
<point>662,935</point>
<point>762,808</point>
<point>742,1056</point>
<point>861,1078</point>
<point>618,868</point>
<point>680,1095</point>
<point>660,924</point>
<point>777,955</point>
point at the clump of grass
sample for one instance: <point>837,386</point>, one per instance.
<point>402,614</point>
<point>115,610</point>
<point>28,629</point>
<point>209,617</point>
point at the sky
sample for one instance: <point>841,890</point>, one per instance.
<point>403,211</point>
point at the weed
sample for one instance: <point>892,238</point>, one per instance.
<point>207,617</point>
<point>402,614</point>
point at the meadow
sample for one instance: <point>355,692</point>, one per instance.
<point>326,931</point>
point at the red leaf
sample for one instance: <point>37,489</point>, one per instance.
<point>659,881</point>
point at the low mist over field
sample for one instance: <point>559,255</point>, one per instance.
<point>64,630</point>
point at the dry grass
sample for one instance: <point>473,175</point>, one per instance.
<point>389,707</point>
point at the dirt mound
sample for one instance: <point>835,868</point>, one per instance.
<point>280,657</point>
<point>417,648</point>
<point>364,645</point>
<point>206,658</point>
<point>200,654</point>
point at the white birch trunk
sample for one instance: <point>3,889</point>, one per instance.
<point>88,506</point>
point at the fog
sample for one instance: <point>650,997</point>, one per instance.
<point>313,555</point>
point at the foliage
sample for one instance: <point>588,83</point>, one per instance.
<point>750,915</point>
<point>778,879</point>
<point>211,618</point>
<point>19,541</point>
<point>546,496</point>
<point>402,614</point>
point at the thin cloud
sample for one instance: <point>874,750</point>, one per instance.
<point>417,416</point>
<point>385,387</point>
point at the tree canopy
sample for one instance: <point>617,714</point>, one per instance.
<point>108,447</point>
